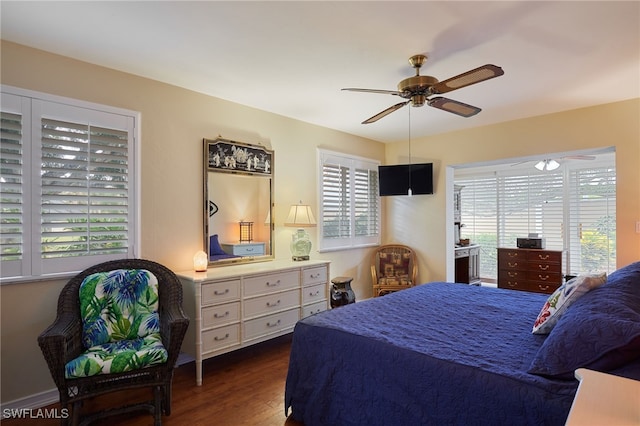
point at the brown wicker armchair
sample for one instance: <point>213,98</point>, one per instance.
<point>393,267</point>
<point>62,342</point>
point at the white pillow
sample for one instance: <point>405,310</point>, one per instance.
<point>562,298</point>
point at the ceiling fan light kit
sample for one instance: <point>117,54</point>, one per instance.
<point>547,165</point>
<point>419,88</point>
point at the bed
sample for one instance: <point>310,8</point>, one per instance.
<point>446,353</point>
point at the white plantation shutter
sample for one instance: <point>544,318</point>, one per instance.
<point>350,205</point>
<point>336,201</point>
<point>85,193</point>
<point>13,180</point>
<point>76,198</point>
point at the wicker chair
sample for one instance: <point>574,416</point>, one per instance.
<point>62,342</point>
<point>393,267</point>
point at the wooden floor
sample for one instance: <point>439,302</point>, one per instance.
<point>245,387</point>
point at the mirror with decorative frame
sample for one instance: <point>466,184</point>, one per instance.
<point>238,200</point>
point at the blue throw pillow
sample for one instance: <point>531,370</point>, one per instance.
<point>214,246</point>
<point>600,331</point>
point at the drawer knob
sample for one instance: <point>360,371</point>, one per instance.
<point>512,274</point>
<point>512,265</point>
<point>271,305</point>
<point>543,287</point>
<point>217,315</point>
<point>512,254</point>
<point>543,277</point>
<point>317,293</point>
<point>275,284</point>
<point>316,275</point>
<point>543,267</point>
<point>543,257</point>
<point>218,338</point>
<point>274,324</point>
<point>220,293</point>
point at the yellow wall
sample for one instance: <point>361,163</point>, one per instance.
<point>419,222</point>
<point>175,120</point>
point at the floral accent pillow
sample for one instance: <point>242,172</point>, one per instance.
<point>557,304</point>
<point>118,305</point>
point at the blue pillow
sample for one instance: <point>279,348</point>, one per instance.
<point>600,331</point>
<point>214,246</point>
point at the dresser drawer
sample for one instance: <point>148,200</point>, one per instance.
<point>512,274</point>
<point>544,256</point>
<point>270,324</point>
<point>512,254</point>
<point>271,303</point>
<point>314,275</point>
<point>244,249</point>
<point>314,309</point>
<point>214,316</point>
<point>220,338</point>
<point>221,291</point>
<point>314,293</point>
<point>516,283</point>
<point>543,286</point>
<point>513,264</point>
<point>270,283</point>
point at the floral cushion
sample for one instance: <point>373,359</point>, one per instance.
<point>118,357</point>
<point>120,323</point>
<point>118,305</point>
<point>557,304</point>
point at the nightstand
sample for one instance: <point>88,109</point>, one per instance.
<point>244,249</point>
<point>604,399</point>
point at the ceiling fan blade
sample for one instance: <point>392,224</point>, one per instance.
<point>384,113</point>
<point>468,78</point>
<point>384,92</point>
<point>579,157</point>
<point>459,108</point>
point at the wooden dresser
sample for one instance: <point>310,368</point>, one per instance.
<point>534,270</point>
<point>236,306</point>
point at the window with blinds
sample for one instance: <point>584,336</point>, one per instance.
<point>350,205</point>
<point>67,185</point>
<point>573,208</point>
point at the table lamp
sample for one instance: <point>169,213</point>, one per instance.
<point>300,216</point>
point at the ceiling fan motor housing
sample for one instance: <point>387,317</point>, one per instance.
<point>416,88</point>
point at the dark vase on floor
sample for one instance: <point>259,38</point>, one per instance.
<point>341,292</point>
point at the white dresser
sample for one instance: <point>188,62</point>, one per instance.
<point>236,306</point>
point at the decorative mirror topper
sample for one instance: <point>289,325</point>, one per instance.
<point>231,156</point>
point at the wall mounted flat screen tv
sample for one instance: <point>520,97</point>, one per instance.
<point>394,180</point>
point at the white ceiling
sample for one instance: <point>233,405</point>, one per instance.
<point>293,57</point>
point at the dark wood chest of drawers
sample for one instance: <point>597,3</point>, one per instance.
<point>534,270</point>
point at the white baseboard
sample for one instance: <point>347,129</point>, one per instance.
<point>34,401</point>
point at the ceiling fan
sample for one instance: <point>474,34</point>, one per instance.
<point>419,88</point>
<point>548,164</point>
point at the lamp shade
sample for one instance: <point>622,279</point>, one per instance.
<point>200,261</point>
<point>300,216</point>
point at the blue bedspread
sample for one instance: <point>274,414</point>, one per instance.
<point>436,354</point>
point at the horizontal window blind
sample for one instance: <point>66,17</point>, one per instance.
<point>573,208</point>
<point>592,220</point>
